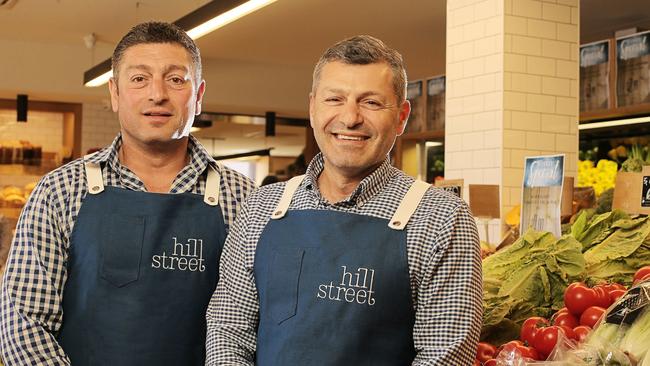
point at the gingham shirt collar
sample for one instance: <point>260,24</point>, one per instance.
<point>198,162</point>
<point>367,188</point>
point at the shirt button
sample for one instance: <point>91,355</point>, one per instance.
<point>95,188</point>
<point>211,199</point>
<point>397,223</point>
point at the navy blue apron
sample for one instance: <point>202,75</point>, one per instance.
<point>141,270</point>
<point>334,287</point>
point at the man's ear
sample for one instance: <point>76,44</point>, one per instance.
<point>311,109</point>
<point>199,97</point>
<point>112,88</point>
<point>404,112</point>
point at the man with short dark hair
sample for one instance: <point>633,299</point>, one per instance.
<point>354,263</point>
<point>116,254</point>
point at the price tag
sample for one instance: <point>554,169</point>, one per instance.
<point>645,192</point>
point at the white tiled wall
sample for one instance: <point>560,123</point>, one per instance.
<point>512,82</point>
<point>99,126</point>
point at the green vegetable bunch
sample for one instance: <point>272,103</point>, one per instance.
<point>615,245</point>
<point>527,279</point>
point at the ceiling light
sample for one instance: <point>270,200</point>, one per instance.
<point>198,23</point>
<point>615,123</point>
<point>432,143</point>
<point>227,17</point>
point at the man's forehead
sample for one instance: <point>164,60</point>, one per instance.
<point>339,75</point>
<point>155,54</point>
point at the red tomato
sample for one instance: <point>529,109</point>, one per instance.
<point>546,338</point>
<point>612,286</point>
<point>591,316</point>
<point>568,331</point>
<point>578,297</point>
<point>562,310</point>
<point>519,347</point>
<point>641,273</point>
<point>530,327</point>
<point>490,362</point>
<point>602,296</point>
<point>616,294</point>
<point>565,318</point>
<point>646,277</point>
<point>581,331</point>
<point>485,351</point>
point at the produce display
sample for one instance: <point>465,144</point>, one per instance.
<point>601,176</point>
<point>620,320</point>
<point>546,298</point>
<point>615,245</point>
<point>527,279</point>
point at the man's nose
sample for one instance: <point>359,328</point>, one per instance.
<point>351,114</point>
<point>158,91</point>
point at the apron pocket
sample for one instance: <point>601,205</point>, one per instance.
<point>283,280</point>
<point>122,248</point>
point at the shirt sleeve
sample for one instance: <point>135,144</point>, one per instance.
<point>233,311</point>
<point>450,300</point>
<point>32,285</point>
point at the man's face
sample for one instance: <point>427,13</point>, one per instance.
<point>156,96</point>
<point>356,116</point>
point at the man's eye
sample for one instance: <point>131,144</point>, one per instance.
<point>177,80</point>
<point>332,99</point>
<point>137,79</point>
<point>372,104</point>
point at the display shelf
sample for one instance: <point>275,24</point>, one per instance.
<point>615,113</point>
<point>424,135</point>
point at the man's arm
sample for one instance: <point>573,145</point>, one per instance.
<point>32,287</point>
<point>232,314</point>
<point>450,306</point>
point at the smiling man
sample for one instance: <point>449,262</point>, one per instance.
<point>116,254</point>
<point>354,263</point>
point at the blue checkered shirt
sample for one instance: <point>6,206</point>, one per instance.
<point>31,309</point>
<point>443,256</point>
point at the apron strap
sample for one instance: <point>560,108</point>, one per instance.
<point>408,205</point>
<point>289,189</point>
<point>93,176</point>
<point>212,187</point>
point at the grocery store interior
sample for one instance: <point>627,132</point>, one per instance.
<point>491,83</point>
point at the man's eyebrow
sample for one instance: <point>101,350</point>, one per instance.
<point>169,68</point>
<point>341,91</point>
<point>138,67</point>
<point>166,70</point>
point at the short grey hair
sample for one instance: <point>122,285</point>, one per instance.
<point>364,50</point>
<point>157,32</point>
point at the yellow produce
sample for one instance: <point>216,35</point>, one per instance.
<point>513,216</point>
<point>602,176</point>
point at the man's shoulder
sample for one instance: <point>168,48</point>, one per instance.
<point>436,205</point>
<point>268,195</point>
<point>71,172</point>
